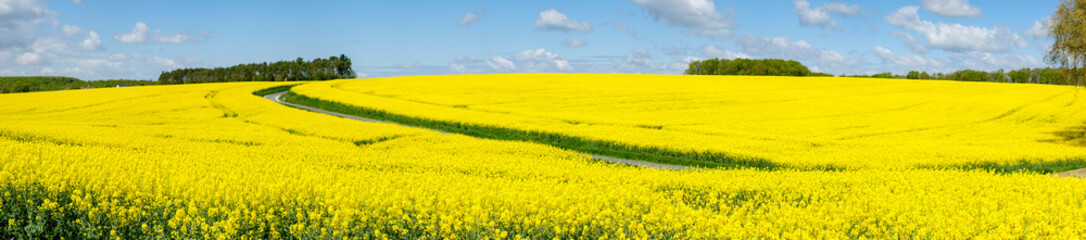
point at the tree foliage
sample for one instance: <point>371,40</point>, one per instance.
<point>298,70</point>
<point>1023,75</point>
<point>754,67</point>
<point>50,83</point>
<point>1067,28</point>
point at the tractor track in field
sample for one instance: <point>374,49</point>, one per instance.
<point>277,97</point>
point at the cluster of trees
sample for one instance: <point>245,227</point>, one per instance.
<point>753,67</point>
<point>47,83</point>
<point>298,70</point>
<point>1023,75</point>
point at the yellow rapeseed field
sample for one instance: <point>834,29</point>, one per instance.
<point>215,161</point>
<point>797,122</point>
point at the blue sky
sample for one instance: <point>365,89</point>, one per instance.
<point>92,39</point>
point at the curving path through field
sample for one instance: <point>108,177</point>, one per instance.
<point>277,98</point>
<point>1077,173</point>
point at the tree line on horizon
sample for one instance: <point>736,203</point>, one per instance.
<point>1046,75</point>
<point>779,67</point>
<point>53,83</point>
<point>750,67</point>
<point>298,70</point>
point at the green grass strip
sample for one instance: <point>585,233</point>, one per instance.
<point>596,147</point>
<point>639,153</point>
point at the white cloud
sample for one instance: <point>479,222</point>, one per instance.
<point>956,37</point>
<point>71,30</point>
<point>641,61</point>
<point>499,63</point>
<point>1037,30</point>
<point>80,2</point>
<point>41,51</point>
<point>992,61</point>
<point>19,20</point>
<point>785,48</point>
<point>470,18</point>
<point>910,42</point>
<point>717,52</point>
<point>93,41</point>
<point>179,38</point>
<point>457,68</point>
<point>142,34</point>
<point>467,58</point>
<point>908,60</point>
<point>951,8</point>
<point>820,16</point>
<point>29,58</point>
<point>139,34</point>
<point>552,20</point>
<point>625,29</point>
<point>539,60</point>
<point>408,65</point>
<point>574,43</point>
<point>699,14</point>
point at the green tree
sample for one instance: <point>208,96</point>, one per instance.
<point>913,75</point>
<point>19,87</point>
<point>1067,28</point>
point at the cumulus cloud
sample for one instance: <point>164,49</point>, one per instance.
<point>717,52</point>
<point>467,58</point>
<point>41,51</point>
<point>534,60</point>
<point>785,48</point>
<point>541,60</point>
<point>139,34</point>
<point>142,34</point>
<point>93,41</point>
<point>699,14</point>
<point>29,58</point>
<point>1037,30</point>
<point>992,61</point>
<point>29,45</point>
<point>71,30</point>
<point>469,18</point>
<point>625,29</point>
<point>951,8</point>
<point>552,20</point>
<point>956,37</point>
<point>457,68</point>
<point>180,37</point>
<point>498,63</point>
<point>641,61</point>
<point>910,42</point>
<point>907,60</point>
<point>820,16</point>
<point>574,43</point>
<point>19,19</point>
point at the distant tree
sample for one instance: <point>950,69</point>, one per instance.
<point>912,75</point>
<point>924,75</point>
<point>334,67</point>
<point>997,76</point>
<point>19,87</point>
<point>1019,76</point>
<point>740,66</point>
<point>1067,28</point>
